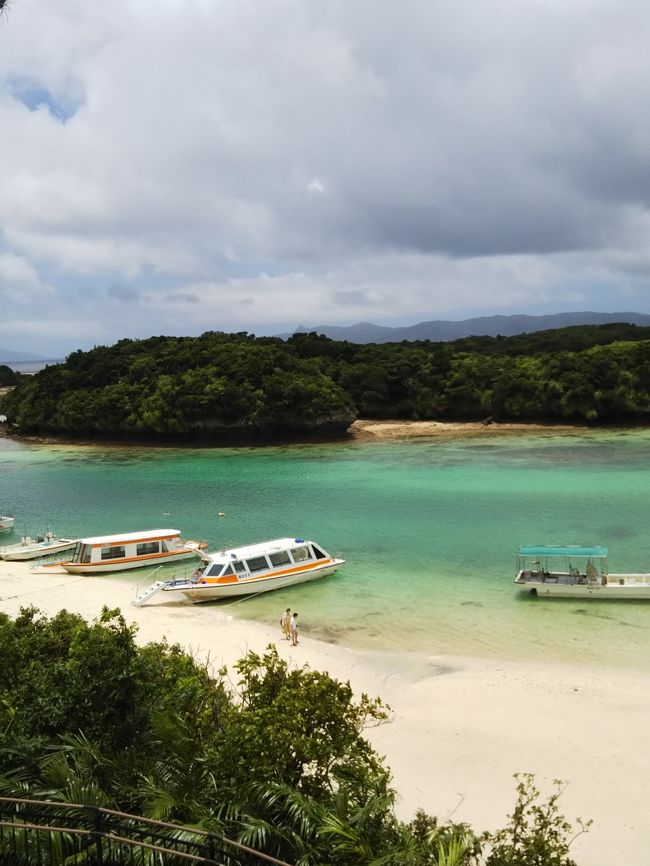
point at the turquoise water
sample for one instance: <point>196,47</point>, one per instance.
<point>428,528</point>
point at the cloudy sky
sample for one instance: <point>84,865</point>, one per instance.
<point>173,167</point>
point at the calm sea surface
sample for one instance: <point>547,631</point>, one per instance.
<point>428,528</point>
<point>32,366</point>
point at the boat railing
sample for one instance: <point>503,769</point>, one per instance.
<point>179,581</point>
<point>146,589</point>
<point>180,578</point>
<point>140,585</point>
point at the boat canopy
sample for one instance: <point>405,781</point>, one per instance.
<point>571,550</point>
<point>250,550</point>
<point>131,537</point>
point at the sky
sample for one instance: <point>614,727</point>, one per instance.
<point>175,167</point>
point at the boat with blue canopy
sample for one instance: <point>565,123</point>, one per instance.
<point>575,571</point>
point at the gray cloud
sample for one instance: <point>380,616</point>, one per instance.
<point>123,293</point>
<point>181,298</point>
<point>353,297</point>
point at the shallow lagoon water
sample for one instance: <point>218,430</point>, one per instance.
<point>428,527</point>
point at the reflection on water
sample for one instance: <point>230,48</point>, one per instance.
<point>428,528</point>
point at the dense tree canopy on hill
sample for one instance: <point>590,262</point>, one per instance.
<point>8,376</point>
<point>215,385</point>
<point>239,386</point>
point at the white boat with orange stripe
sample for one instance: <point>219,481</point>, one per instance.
<point>106,553</point>
<point>252,569</point>
<point>6,523</point>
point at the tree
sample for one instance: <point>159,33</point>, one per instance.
<point>299,727</point>
<point>537,835</point>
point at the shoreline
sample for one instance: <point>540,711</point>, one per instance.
<point>366,429</point>
<point>361,430</point>
<point>460,728</point>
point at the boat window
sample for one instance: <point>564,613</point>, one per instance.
<point>258,563</point>
<point>280,558</point>
<point>300,554</point>
<point>318,553</point>
<point>228,570</point>
<point>239,566</point>
<point>148,547</point>
<point>214,569</point>
<point>116,552</point>
<point>82,553</point>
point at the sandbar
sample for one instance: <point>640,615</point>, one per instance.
<point>460,728</point>
<point>368,429</point>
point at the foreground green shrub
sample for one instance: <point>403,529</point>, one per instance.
<point>537,835</point>
<point>276,759</point>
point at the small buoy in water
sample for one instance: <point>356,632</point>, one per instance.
<point>222,514</point>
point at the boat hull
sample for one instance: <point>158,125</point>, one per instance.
<point>617,587</point>
<point>200,592</point>
<point>21,552</point>
<point>121,565</point>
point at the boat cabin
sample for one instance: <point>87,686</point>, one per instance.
<point>282,554</point>
<point>571,564</point>
<point>127,546</point>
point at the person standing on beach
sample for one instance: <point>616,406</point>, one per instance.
<point>285,623</point>
<point>293,627</point>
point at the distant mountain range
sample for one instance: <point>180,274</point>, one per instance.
<point>8,355</point>
<point>440,331</point>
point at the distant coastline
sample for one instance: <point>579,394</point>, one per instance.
<point>362,430</point>
<point>221,389</point>
<point>32,366</point>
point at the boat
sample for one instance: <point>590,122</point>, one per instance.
<point>576,572</point>
<point>248,570</point>
<point>6,523</point>
<point>33,548</point>
<point>106,553</point>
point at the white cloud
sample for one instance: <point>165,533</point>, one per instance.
<point>20,283</point>
<point>375,161</point>
<point>14,268</point>
<point>315,186</point>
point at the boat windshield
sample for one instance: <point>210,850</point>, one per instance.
<point>82,552</point>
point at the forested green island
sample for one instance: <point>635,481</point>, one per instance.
<point>271,755</point>
<point>238,386</point>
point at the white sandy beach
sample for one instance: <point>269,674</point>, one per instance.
<point>460,728</point>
